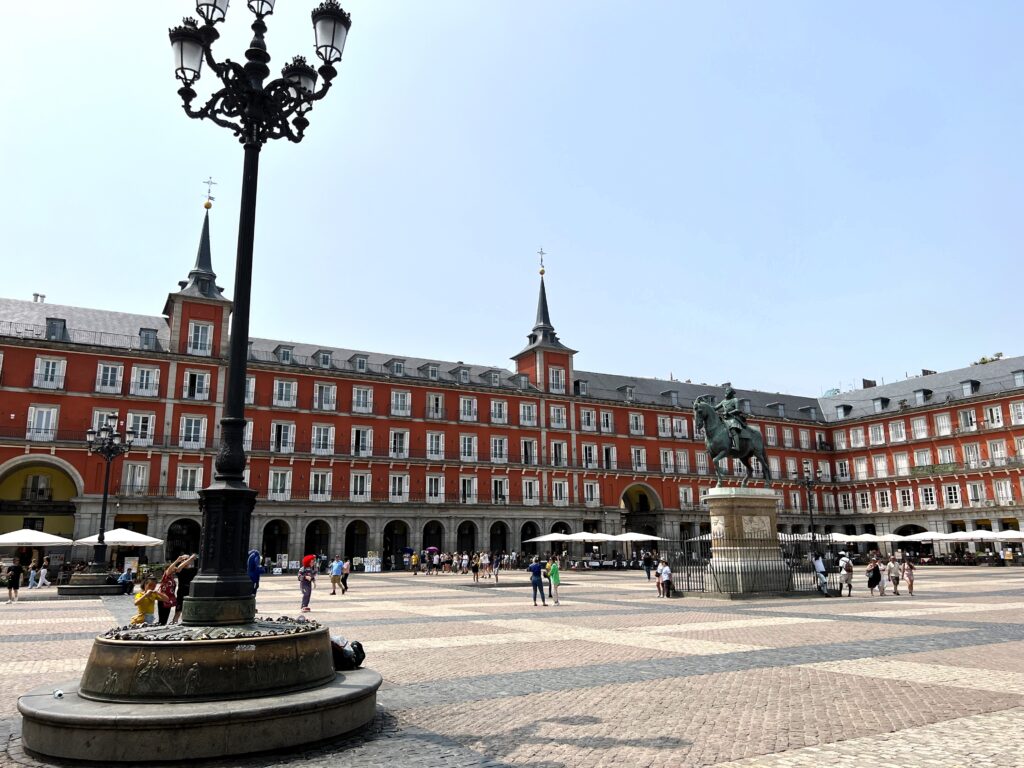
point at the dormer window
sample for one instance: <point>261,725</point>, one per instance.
<point>524,381</point>
<point>673,397</point>
<point>284,355</point>
<point>842,411</point>
<point>580,387</point>
<point>630,393</point>
<point>147,338</point>
<point>432,372</point>
<point>922,396</point>
<point>464,375</point>
<point>56,329</point>
<point>359,362</point>
<point>398,368</point>
<point>1018,378</point>
<point>779,408</point>
<point>745,405</point>
<point>970,387</point>
<point>323,359</point>
<point>495,379</point>
<point>880,404</point>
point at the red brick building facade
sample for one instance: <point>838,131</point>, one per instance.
<point>353,451</point>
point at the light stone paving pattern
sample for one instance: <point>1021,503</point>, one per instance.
<point>475,675</point>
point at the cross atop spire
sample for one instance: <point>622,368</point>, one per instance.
<point>542,255</point>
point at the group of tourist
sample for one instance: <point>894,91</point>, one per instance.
<point>486,564</point>
<point>879,572</point>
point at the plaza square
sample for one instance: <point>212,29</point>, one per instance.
<point>614,675</point>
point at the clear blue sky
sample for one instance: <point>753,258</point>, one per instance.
<point>832,190</point>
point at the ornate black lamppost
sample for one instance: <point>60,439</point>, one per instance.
<point>108,444</point>
<point>255,111</point>
<point>809,481</point>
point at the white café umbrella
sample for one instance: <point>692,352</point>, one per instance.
<point>634,536</point>
<point>549,537</point>
<point>1009,536</point>
<point>978,535</point>
<point>122,537</point>
<point>926,536</point>
<point>584,536</point>
<point>27,537</point>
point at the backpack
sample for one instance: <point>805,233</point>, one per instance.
<point>849,566</point>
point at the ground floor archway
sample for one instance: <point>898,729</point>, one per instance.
<point>275,540</point>
<point>529,530</point>
<point>640,498</point>
<point>433,535</point>
<point>466,536</point>
<point>561,527</point>
<point>394,539</point>
<point>317,539</point>
<point>499,538</point>
<point>182,538</point>
<point>357,535</point>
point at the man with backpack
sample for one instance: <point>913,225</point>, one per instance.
<point>845,574</point>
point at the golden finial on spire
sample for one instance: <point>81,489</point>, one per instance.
<point>209,189</point>
<point>542,255</point>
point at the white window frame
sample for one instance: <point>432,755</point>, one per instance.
<point>195,385</point>
<point>188,489</point>
<point>286,393</point>
<point>200,339</point>
<point>401,402</point>
<point>103,383</point>
<point>150,388</point>
<point>528,414</point>
<point>320,482</point>
<point>279,484</point>
<point>188,438</point>
<point>362,399</point>
<point>39,416</point>
<point>467,408</point>
<point>325,396</point>
<point>286,431</point>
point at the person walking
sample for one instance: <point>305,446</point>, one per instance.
<point>666,579</point>
<point>648,564</point>
<point>15,571</point>
<point>33,575</point>
<point>820,573</point>
<point>536,569</point>
<point>845,574</point>
<point>874,574</point>
<point>346,569</point>
<point>337,564</point>
<point>496,569</point>
<point>475,568</point>
<point>908,575</point>
<point>44,569</point>
<point>892,570</point>
<point>307,581</point>
<point>554,577</point>
<point>414,562</point>
<point>657,578</point>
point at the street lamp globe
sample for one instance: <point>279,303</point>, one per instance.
<point>187,44</point>
<point>261,7</point>
<point>300,73</point>
<point>330,26</point>
<point>212,11</point>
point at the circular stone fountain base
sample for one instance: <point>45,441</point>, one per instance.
<point>77,728</point>
<point>182,691</point>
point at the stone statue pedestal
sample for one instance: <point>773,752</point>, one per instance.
<point>745,553</point>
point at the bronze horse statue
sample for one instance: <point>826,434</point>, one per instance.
<point>719,445</point>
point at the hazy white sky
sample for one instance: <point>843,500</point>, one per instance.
<point>833,191</point>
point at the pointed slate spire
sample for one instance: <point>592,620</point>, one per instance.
<point>543,318</point>
<point>202,281</point>
<point>543,331</point>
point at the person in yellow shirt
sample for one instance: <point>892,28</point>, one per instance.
<point>146,600</point>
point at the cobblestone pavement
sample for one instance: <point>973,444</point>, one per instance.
<point>477,676</point>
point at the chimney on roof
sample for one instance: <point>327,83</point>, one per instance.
<point>926,372</point>
<point>868,383</point>
<point>35,298</point>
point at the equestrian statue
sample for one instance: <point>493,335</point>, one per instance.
<point>727,435</point>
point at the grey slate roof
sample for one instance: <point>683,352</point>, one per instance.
<point>120,330</point>
<point>607,386</point>
<point>100,327</point>
<point>377,362</point>
<point>946,386</point>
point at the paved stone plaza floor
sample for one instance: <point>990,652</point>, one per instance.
<point>476,676</point>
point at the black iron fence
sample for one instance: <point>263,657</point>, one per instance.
<point>748,566</point>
